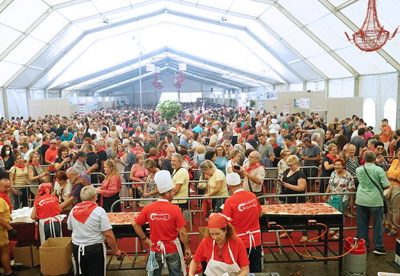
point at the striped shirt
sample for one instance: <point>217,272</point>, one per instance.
<point>21,175</point>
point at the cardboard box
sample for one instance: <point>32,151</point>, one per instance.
<point>56,256</point>
<point>26,254</point>
<point>202,233</point>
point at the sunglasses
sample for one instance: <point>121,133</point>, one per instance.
<point>53,143</point>
<point>379,148</point>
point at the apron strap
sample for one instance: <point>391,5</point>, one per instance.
<point>230,252</point>
<point>81,249</point>
<point>251,238</point>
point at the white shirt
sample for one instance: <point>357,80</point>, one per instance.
<point>92,231</point>
<point>66,191</point>
<point>275,126</point>
<point>354,134</point>
<point>119,130</point>
<point>98,133</point>
<point>41,139</point>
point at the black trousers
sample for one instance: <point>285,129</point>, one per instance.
<point>93,262</point>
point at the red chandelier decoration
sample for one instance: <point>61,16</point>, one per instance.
<point>372,36</point>
<point>156,83</point>
<point>180,77</point>
<point>178,85</point>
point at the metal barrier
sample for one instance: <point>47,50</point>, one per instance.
<point>391,209</point>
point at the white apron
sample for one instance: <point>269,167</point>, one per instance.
<point>251,239</point>
<point>51,220</point>
<point>161,247</point>
<point>217,268</point>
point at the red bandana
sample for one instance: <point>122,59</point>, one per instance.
<point>120,154</point>
<point>82,211</point>
<point>45,143</point>
<point>250,137</point>
<point>34,164</point>
<point>100,150</point>
<point>18,166</point>
<point>254,167</point>
<point>276,145</point>
<point>330,157</point>
<point>137,133</point>
<point>6,199</point>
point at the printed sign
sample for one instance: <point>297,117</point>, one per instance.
<point>150,67</point>
<point>302,103</point>
<point>182,66</point>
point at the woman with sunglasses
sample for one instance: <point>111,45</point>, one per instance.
<point>223,251</point>
<point>78,139</point>
<point>380,160</point>
<point>162,150</point>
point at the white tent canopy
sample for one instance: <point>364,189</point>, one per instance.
<point>93,45</point>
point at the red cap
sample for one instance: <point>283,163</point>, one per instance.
<point>218,220</point>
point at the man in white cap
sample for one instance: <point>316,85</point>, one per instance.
<point>274,125</point>
<point>166,221</point>
<point>243,207</point>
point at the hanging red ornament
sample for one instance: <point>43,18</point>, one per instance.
<point>372,36</point>
<point>178,85</point>
<point>180,77</point>
<point>156,83</point>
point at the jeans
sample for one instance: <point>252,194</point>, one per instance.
<point>22,197</point>
<point>174,264</point>
<point>216,204</point>
<point>255,259</point>
<point>363,216</point>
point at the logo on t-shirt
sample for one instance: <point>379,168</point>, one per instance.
<point>158,216</point>
<point>247,205</point>
<point>48,200</point>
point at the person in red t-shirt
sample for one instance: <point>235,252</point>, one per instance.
<point>51,154</point>
<point>222,249</point>
<point>243,207</point>
<point>166,221</point>
<point>47,209</point>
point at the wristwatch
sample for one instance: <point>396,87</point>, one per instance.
<point>144,238</point>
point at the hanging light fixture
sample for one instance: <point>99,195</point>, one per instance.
<point>156,83</point>
<point>372,36</point>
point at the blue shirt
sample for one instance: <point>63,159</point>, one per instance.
<point>69,138</point>
<point>279,140</point>
<point>220,163</point>
<point>197,129</point>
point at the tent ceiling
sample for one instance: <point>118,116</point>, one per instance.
<point>276,41</point>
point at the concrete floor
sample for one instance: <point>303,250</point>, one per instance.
<point>375,264</point>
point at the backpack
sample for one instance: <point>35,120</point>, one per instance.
<point>266,162</point>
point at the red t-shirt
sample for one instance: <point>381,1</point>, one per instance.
<point>137,151</point>
<point>243,207</point>
<point>164,219</point>
<point>47,206</point>
<point>51,155</point>
<point>204,251</point>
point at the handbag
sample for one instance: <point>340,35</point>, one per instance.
<point>335,202</point>
<point>385,208</point>
<point>388,192</point>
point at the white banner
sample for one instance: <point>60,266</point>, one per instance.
<point>150,67</point>
<point>157,70</point>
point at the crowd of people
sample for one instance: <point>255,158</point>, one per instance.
<point>57,159</point>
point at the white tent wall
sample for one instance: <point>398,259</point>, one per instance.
<point>17,103</point>
<point>3,94</point>
<point>40,108</point>
<point>341,88</point>
<point>379,88</point>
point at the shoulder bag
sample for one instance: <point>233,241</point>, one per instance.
<point>385,208</point>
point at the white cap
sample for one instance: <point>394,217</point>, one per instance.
<point>233,179</point>
<point>272,131</point>
<point>172,129</point>
<point>274,121</point>
<point>163,181</point>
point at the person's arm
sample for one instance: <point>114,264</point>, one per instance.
<point>12,177</point>
<point>92,169</point>
<point>301,185</point>
<point>67,202</point>
<point>34,178</point>
<point>33,214</point>
<point>193,267</point>
<point>272,157</point>
<point>139,231</point>
<point>111,242</point>
<point>178,187</point>
<point>4,223</point>
<point>58,166</point>
<point>328,166</point>
<point>244,270</point>
<point>184,238</point>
